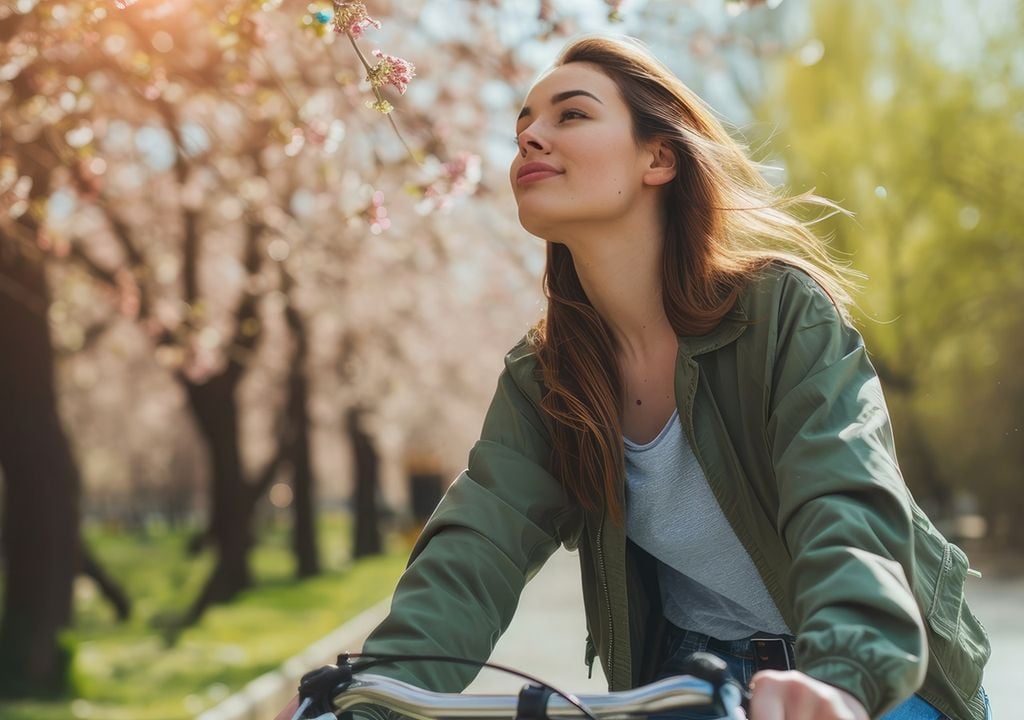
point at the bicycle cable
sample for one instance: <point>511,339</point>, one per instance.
<point>384,658</point>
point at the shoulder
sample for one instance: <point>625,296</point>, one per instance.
<point>783,298</point>
<point>522,368</point>
<point>779,287</point>
<point>791,323</point>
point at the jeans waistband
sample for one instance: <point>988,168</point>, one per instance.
<point>741,648</point>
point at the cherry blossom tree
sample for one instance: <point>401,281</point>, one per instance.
<point>176,167</point>
<point>91,89</point>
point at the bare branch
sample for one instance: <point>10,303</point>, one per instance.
<point>94,270</point>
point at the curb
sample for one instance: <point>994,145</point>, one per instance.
<point>264,697</point>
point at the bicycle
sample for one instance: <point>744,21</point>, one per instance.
<point>333,690</point>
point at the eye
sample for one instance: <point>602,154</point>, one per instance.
<point>566,114</point>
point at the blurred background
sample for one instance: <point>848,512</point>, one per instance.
<point>257,277</point>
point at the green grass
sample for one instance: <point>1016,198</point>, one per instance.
<point>132,671</point>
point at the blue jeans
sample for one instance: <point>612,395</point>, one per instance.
<point>915,708</point>
<point>739,658</point>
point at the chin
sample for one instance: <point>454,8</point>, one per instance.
<point>536,224</point>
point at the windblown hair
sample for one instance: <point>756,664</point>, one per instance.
<point>723,224</point>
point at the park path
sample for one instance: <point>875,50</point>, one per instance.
<point>999,604</point>
<point>546,639</point>
<point>547,636</point>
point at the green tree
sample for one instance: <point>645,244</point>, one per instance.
<point>886,110</point>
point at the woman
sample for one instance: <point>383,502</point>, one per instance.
<point>697,415</point>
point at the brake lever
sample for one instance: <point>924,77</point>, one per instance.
<point>317,688</point>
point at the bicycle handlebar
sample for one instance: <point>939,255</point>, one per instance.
<point>673,693</point>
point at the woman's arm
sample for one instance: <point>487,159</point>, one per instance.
<point>844,511</point>
<point>495,527</point>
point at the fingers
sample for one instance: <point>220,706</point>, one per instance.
<point>791,695</point>
<point>767,696</point>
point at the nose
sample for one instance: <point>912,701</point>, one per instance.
<point>528,138</point>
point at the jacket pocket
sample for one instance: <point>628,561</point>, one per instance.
<point>944,614</point>
<point>957,640</point>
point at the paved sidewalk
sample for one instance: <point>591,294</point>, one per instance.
<point>546,639</point>
<point>998,603</point>
<point>547,636</point>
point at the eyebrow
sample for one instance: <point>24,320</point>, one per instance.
<point>557,98</point>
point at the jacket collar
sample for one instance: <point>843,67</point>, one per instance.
<point>731,327</point>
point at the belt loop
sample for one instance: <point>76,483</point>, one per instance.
<point>702,642</point>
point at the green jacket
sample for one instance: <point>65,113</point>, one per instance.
<point>786,415</point>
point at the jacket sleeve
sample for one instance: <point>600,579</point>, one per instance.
<point>844,510</point>
<point>497,524</point>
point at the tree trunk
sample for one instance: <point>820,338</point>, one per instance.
<point>41,484</point>
<point>215,407</point>
<point>366,471</point>
<point>299,453</point>
<point>111,590</point>
<point>214,404</point>
<point>1004,507</point>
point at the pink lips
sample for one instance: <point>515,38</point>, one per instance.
<point>531,172</point>
<point>534,176</point>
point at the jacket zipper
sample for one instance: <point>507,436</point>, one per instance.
<point>607,601</point>
<point>732,459</point>
<point>588,657</point>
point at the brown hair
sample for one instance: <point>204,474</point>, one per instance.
<point>723,223</point>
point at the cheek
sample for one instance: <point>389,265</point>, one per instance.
<point>610,168</point>
<point>607,184</point>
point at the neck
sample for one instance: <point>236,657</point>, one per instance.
<point>620,271</point>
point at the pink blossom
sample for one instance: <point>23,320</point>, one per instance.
<point>375,214</point>
<point>391,70</point>
<point>352,18</point>
<point>463,171</point>
<point>458,177</point>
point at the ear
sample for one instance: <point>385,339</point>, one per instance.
<point>661,163</point>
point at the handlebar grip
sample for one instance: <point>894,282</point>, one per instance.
<point>713,669</point>
<point>707,667</point>
<point>533,702</point>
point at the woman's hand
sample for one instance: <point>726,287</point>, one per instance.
<point>791,695</point>
<point>289,709</point>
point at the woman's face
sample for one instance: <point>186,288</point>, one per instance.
<point>575,121</point>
